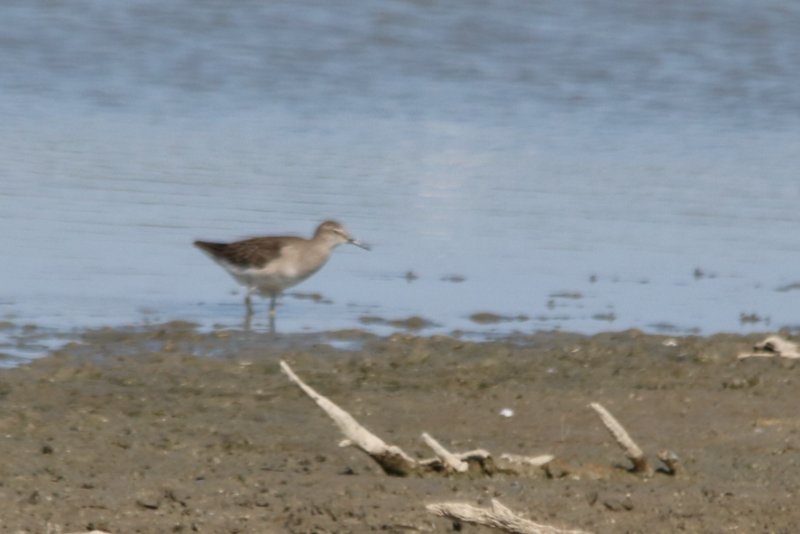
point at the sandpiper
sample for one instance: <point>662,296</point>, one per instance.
<point>268,265</point>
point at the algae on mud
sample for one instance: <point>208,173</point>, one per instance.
<point>168,429</point>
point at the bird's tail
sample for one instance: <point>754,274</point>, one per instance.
<point>212,248</point>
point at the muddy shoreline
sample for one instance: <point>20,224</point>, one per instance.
<point>169,429</point>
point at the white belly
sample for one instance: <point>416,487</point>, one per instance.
<point>277,275</point>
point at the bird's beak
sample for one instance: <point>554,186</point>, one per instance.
<point>358,243</point>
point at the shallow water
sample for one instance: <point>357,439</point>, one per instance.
<point>590,166</point>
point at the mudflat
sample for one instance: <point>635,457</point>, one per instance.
<point>170,429</point>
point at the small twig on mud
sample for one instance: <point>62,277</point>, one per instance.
<point>632,450</point>
<point>392,459</point>
<point>498,516</point>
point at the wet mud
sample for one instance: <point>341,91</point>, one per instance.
<point>168,429</point>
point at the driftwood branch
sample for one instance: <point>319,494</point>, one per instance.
<point>451,461</point>
<point>392,459</point>
<point>771,347</point>
<point>530,461</point>
<point>631,449</point>
<point>498,516</point>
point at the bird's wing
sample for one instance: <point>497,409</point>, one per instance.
<point>256,252</point>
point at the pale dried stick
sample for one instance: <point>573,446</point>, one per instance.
<point>632,450</point>
<point>498,516</point>
<point>532,461</point>
<point>450,460</point>
<point>391,458</point>
<point>773,346</point>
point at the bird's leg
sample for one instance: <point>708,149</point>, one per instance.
<point>248,310</point>
<point>272,300</point>
<point>248,301</point>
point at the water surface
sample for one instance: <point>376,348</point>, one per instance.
<point>590,166</point>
